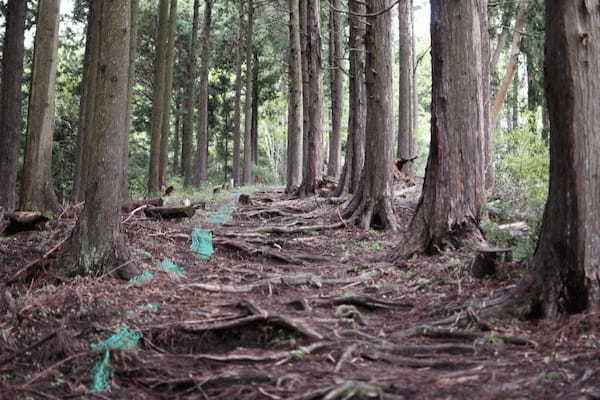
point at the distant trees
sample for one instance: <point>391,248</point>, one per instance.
<point>37,191</point>
<point>406,89</point>
<point>247,166</point>
<point>336,83</point>
<point>295,105</point>
<point>10,100</point>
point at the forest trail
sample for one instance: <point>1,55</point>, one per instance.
<point>293,304</point>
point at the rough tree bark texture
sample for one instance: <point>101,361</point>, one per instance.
<point>315,105</point>
<point>131,80</point>
<point>10,101</point>
<point>187,147</point>
<point>566,277</point>
<point>37,192</point>
<point>355,147</point>
<point>158,91</point>
<point>201,172</point>
<point>335,75</point>
<point>449,210</point>
<point>371,205</point>
<point>237,134</point>
<point>295,105</point>
<point>166,116</point>
<point>255,104</point>
<point>305,84</point>
<point>86,104</point>
<point>247,170</point>
<point>95,246</point>
<point>406,92</point>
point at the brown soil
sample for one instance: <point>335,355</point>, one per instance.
<point>292,313</point>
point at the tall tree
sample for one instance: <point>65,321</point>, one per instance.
<point>247,170</point>
<point>371,205</point>
<point>511,66</point>
<point>315,95</point>
<point>188,106</point>
<point>305,83</point>
<point>158,97</point>
<point>86,103</point>
<point>355,147</point>
<point>566,272</point>
<point>95,245</point>
<point>406,92</point>
<point>295,106</point>
<point>37,192</point>
<point>10,100</point>
<point>167,96</point>
<point>335,77</point>
<point>202,134</point>
<point>237,134</point>
<point>449,210</point>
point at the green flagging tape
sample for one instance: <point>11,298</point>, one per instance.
<point>123,339</point>
<point>223,214</point>
<point>170,267</point>
<point>144,276</point>
<point>202,243</point>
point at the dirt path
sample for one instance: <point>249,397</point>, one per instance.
<point>292,305</point>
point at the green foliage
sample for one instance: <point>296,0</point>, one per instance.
<point>524,245</point>
<point>521,169</point>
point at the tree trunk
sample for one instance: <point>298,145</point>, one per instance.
<point>511,67</point>
<point>158,97</point>
<point>95,245</point>
<point>406,93</point>
<point>371,205</point>
<point>87,104</point>
<point>255,101</point>
<point>449,210</point>
<point>355,147</point>
<point>237,134</point>
<point>315,105</point>
<point>176,167</point>
<point>201,172</point>
<point>247,170</point>
<point>166,116</point>
<point>131,81</point>
<point>295,105</point>
<point>37,192</point>
<point>305,84</point>
<point>187,147</point>
<point>11,101</point>
<point>335,57</point>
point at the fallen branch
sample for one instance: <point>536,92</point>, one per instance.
<point>22,221</point>
<point>169,212</point>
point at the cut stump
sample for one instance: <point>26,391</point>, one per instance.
<point>22,221</point>
<point>170,212</point>
<point>487,259</point>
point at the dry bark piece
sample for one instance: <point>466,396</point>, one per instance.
<point>131,205</point>
<point>170,212</point>
<point>487,259</point>
<point>22,221</point>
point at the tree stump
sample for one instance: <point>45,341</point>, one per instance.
<point>169,212</point>
<point>21,221</point>
<point>485,262</point>
<point>245,199</point>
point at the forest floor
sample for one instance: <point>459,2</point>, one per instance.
<point>293,304</point>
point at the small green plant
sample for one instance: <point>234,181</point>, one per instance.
<point>299,353</point>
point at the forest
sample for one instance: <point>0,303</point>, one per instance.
<point>300,199</point>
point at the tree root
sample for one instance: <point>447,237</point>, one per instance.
<point>364,301</point>
<point>443,333</point>
<point>301,229</point>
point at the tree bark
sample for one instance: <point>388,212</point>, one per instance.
<point>295,104</point>
<point>305,84</point>
<point>371,205</point>
<point>187,147</point>
<point>335,57</point>
<point>201,172</point>
<point>315,105</point>
<point>255,101</point>
<point>566,263</point>
<point>511,67</point>
<point>449,210</point>
<point>158,93</point>
<point>95,245</point>
<point>166,116</point>
<point>11,101</point>
<point>237,134</point>
<point>355,148</point>
<point>247,170</point>
<point>87,104</point>
<point>37,192</point>
<point>131,80</point>
<point>406,92</point>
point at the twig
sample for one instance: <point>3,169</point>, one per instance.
<point>345,357</point>
<point>131,214</point>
